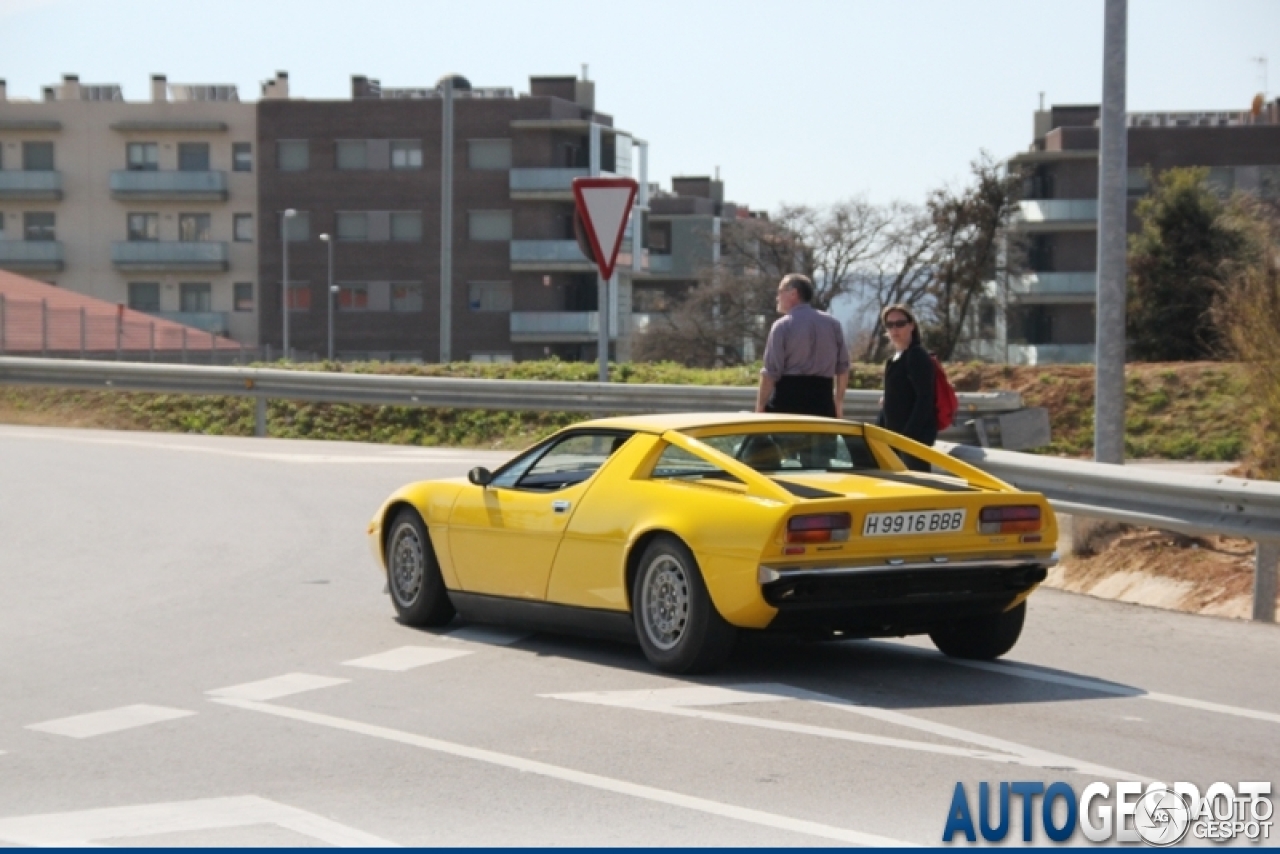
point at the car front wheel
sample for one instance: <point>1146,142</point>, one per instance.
<point>981,638</point>
<point>413,573</point>
<point>677,624</point>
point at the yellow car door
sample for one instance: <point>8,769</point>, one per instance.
<point>504,537</point>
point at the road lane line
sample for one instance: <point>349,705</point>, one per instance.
<point>83,828</point>
<point>581,778</point>
<point>110,720</point>
<point>1106,688</point>
<point>406,658</point>
<point>675,701</point>
<point>277,687</point>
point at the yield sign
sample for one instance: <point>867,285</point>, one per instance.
<point>604,205</point>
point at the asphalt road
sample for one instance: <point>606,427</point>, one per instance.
<point>195,649</point>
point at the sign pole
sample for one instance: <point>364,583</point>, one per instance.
<point>602,331</point>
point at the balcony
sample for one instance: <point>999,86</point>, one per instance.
<point>169,186</point>
<point>661,265</point>
<point>549,256</point>
<point>548,184</point>
<point>1055,287</point>
<point>214,322</point>
<point>30,186</point>
<point>1050,354</point>
<point>31,256</point>
<point>556,326</point>
<point>1058,215</point>
<point>137,255</point>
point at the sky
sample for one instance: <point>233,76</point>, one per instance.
<point>802,101</point>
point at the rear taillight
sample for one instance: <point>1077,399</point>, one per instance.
<point>1008,520</point>
<point>819,528</point>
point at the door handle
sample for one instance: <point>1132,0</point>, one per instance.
<point>560,506</point>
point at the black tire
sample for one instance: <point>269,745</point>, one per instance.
<point>981,638</point>
<point>679,628</point>
<point>413,573</point>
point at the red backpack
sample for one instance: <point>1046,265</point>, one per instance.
<point>945,402</point>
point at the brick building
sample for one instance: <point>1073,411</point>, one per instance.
<point>367,173</point>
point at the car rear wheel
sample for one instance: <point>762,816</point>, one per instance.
<point>981,638</point>
<point>679,628</point>
<point>413,573</point>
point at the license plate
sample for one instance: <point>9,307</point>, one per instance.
<point>921,522</point>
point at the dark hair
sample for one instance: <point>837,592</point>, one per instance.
<point>800,284</point>
<point>902,309</point>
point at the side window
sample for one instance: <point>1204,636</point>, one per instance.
<point>677,462</point>
<point>569,461</point>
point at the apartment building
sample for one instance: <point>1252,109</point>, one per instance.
<point>684,237</point>
<point>1048,314</point>
<point>356,185</point>
<point>148,204</point>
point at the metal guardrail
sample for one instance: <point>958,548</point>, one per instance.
<point>1188,503</point>
<point>537,395</point>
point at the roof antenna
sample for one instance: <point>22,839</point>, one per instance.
<point>1262,64</point>
<point>1042,102</point>
<point>584,72</point>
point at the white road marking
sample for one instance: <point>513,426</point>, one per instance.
<point>406,658</point>
<point>487,635</point>
<point>1106,688</point>
<point>594,781</point>
<point>276,687</point>
<point>110,720</point>
<point>84,828</point>
<point>676,701</point>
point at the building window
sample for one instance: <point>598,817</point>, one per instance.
<point>299,296</point>
<point>299,227</point>
<point>243,227</point>
<point>406,154</point>
<point>489,296</point>
<point>143,156</point>
<point>406,296</point>
<point>195,296</point>
<point>195,228</point>
<point>242,156</point>
<point>406,227</point>
<point>293,155</point>
<point>193,157</point>
<point>489,153</point>
<point>352,154</point>
<point>660,238</point>
<point>39,226</point>
<point>243,296</point>
<point>144,296</point>
<point>491,357</point>
<point>144,226</point>
<point>37,156</point>
<point>353,226</point>
<point>489,225</point>
<point>353,296</point>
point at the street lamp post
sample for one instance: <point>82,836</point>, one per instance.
<point>287,215</point>
<point>329,292</point>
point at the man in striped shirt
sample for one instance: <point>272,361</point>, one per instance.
<point>806,359</point>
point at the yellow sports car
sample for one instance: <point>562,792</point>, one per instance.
<point>682,530</point>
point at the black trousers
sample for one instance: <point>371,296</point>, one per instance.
<point>803,395</point>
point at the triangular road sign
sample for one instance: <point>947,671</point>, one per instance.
<point>604,205</point>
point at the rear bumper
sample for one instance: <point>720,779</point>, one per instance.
<point>896,599</point>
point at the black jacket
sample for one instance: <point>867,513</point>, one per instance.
<point>908,396</point>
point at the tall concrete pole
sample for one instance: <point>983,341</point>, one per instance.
<point>1108,413</point>
<point>446,225</point>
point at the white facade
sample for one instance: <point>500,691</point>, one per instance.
<point>153,203</point>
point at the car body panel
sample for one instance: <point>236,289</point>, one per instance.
<point>571,546</point>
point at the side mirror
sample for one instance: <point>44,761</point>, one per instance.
<point>480,476</point>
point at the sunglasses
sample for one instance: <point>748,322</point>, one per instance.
<point>896,324</point>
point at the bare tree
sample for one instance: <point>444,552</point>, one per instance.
<point>971,226</point>
<point>899,272</point>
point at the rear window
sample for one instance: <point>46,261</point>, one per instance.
<point>773,453</point>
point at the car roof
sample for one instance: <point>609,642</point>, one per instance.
<point>662,422</point>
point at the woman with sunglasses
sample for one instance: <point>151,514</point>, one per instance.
<point>907,406</point>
